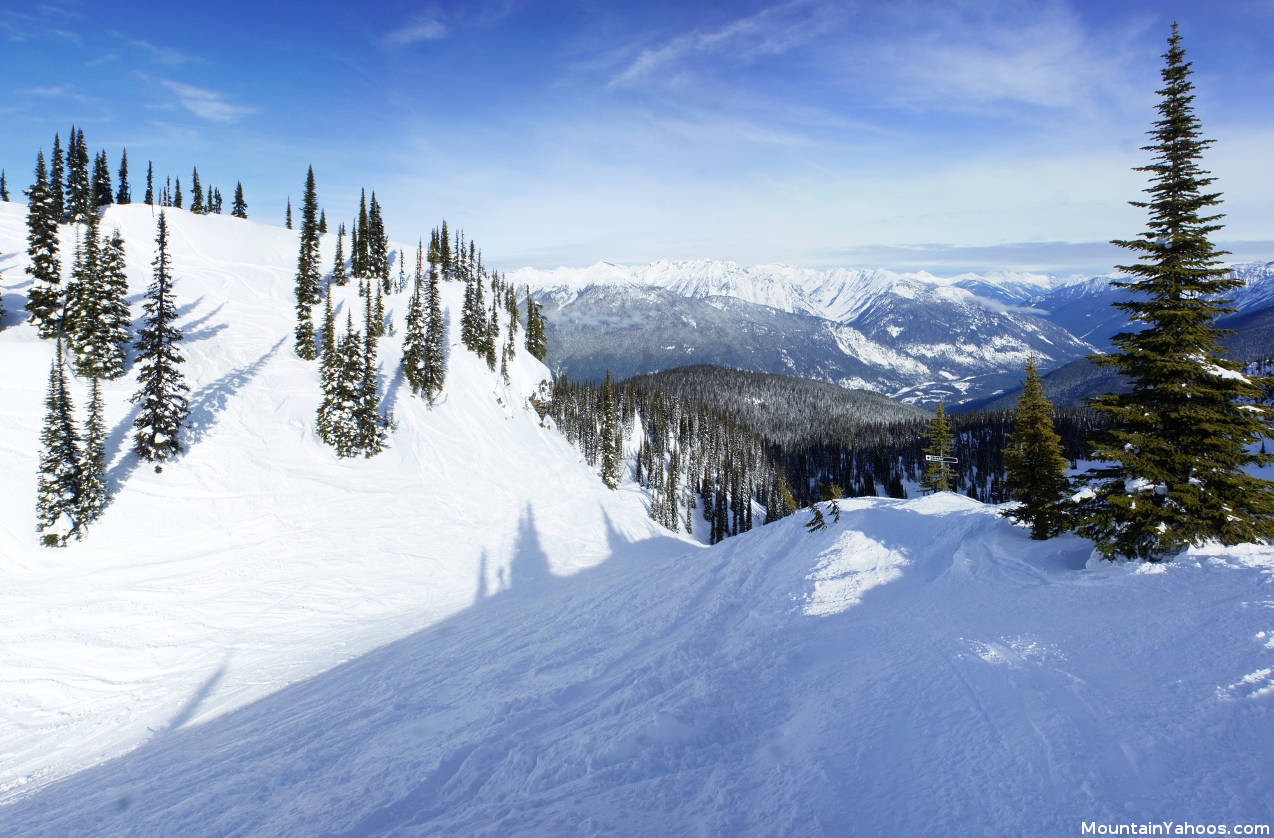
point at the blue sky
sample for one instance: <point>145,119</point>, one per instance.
<point>948,136</point>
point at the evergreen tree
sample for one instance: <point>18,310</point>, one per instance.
<point>341,375</point>
<point>287,222</point>
<point>308,291</point>
<point>444,251</point>
<point>937,475</point>
<point>368,422</point>
<point>1034,463</point>
<point>832,495</point>
<point>103,325</point>
<point>339,276</point>
<point>162,387</point>
<point>490,335</point>
<point>535,340</point>
<point>79,188</point>
<point>414,339</point>
<point>322,224</point>
<point>358,249</point>
<point>57,503</point>
<point>44,300</point>
<point>83,292</point>
<point>176,199</point>
<point>817,521</point>
<point>1177,441</point>
<point>216,200</point>
<point>434,370</point>
<point>94,492</point>
<point>240,207</point>
<point>610,456</point>
<point>56,184</point>
<point>124,195</point>
<point>103,194</point>
<point>4,187</point>
<point>150,183</point>
<point>377,245</point>
<point>196,193</point>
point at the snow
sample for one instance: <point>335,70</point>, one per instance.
<point>469,635</point>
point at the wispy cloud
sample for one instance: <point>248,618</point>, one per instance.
<point>771,31</point>
<point>55,90</point>
<point>163,55</point>
<point>207,104</point>
<point>420,29</point>
<point>971,57</point>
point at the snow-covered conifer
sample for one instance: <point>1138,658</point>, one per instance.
<point>1177,442</point>
<point>124,196</point>
<point>57,503</point>
<point>162,387</point>
<point>45,299</point>
<point>94,492</point>
<point>102,328</point>
<point>103,194</point>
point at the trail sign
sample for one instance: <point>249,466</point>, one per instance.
<point>934,458</point>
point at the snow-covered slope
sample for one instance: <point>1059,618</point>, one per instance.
<point>920,668</point>
<point>258,557</point>
<point>469,635</point>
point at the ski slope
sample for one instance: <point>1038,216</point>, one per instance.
<point>469,635</point>
<point>258,557</point>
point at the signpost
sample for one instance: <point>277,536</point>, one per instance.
<point>934,458</point>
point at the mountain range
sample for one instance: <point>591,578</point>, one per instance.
<point>916,337</point>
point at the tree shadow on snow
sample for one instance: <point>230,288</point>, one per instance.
<point>390,399</point>
<point>412,708</point>
<point>192,332</point>
<point>210,402</point>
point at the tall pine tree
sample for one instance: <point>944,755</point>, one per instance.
<point>1033,461</point>
<point>307,290</point>
<point>79,187</point>
<point>1174,450</point>
<point>103,194</point>
<point>611,457</point>
<point>56,185</point>
<point>435,352</point>
<point>102,328</point>
<point>4,187</point>
<point>44,300</point>
<point>368,421</point>
<point>196,192</point>
<point>536,343</point>
<point>240,207</point>
<point>57,502</point>
<point>94,491</point>
<point>339,275</point>
<point>162,387</point>
<point>937,474</point>
<point>150,183</point>
<point>124,196</point>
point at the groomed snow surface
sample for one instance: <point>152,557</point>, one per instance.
<point>469,635</point>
